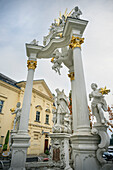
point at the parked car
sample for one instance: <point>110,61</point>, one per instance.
<point>108,156</point>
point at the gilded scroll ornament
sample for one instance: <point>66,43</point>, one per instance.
<point>71,76</point>
<point>76,42</point>
<point>31,64</point>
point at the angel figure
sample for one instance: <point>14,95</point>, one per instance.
<point>17,111</point>
<point>57,61</point>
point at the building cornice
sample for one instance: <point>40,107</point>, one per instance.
<point>4,84</point>
<point>42,95</point>
<point>41,126</point>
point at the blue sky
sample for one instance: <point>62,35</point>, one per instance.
<point>22,21</point>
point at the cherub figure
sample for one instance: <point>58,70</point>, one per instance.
<point>57,61</point>
<point>17,111</point>
<point>98,104</point>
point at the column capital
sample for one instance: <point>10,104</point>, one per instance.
<point>31,64</point>
<point>76,42</point>
<point>71,76</point>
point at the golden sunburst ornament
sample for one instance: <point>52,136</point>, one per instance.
<point>65,15</point>
<point>104,90</point>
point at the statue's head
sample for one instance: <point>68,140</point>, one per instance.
<point>18,104</point>
<point>63,17</point>
<point>76,8</point>
<point>57,91</point>
<point>94,86</point>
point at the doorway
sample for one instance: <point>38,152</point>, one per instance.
<point>46,145</point>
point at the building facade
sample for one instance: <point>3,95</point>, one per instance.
<point>40,119</point>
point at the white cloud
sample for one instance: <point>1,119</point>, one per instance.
<point>22,21</point>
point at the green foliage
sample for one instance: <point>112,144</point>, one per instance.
<point>47,152</point>
<point>4,147</point>
<point>6,141</point>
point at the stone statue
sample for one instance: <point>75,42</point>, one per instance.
<point>62,20</point>
<point>98,104</point>
<point>17,111</point>
<point>65,57</point>
<point>61,116</point>
<point>77,12</point>
<point>34,42</point>
<point>57,61</point>
<point>67,123</point>
<point>54,111</point>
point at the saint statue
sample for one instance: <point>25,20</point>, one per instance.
<point>98,104</point>
<point>61,116</point>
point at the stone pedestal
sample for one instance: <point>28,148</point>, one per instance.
<point>60,151</point>
<point>19,151</point>
<point>101,130</point>
<point>12,134</point>
<point>84,152</point>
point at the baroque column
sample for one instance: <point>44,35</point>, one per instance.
<point>74,112</point>
<point>78,88</point>
<point>84,145</point>
<point>21,139</point>
<point>31,64</point>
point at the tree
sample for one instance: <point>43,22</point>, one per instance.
<point>6,141</point>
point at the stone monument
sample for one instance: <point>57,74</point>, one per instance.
<point>60,142</point>
<point>63,45</point>
<point>98,107</point>
<point>21,138</point>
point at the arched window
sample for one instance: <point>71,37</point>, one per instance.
<point>37,116</point>
<point>47,119</point>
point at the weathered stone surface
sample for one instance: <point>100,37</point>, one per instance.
<point>56,154</point>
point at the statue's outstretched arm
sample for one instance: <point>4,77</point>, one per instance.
<point>90,96</point>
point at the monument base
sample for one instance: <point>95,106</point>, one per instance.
<point>84,151</point>
<point>60,151</point>
<point>19,148</point>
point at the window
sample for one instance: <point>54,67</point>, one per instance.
<point>47,119</point>
<point>48,110</point>
<point>37,116</point>
<point>1,105</point>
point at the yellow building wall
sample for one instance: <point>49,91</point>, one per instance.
<point>37,130</point>
<point>10,96</point>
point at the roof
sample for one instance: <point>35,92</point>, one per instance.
<point>8,80</point>
<point>22,83</point>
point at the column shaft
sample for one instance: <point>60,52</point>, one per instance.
<point>80,92</point>
<point>26,102</point>
<point>74,112</point>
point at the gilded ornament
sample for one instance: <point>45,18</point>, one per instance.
<point>31,64</point>
<point>60,34</point>
<point>52,59</point>
<point>76,42</point>
<point>60,16</point>
<point>12,110</point>
<point>104,90</point>
<point>71,76</point>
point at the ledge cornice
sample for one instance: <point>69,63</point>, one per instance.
<point>2,83</point>
<point>76,26</point>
